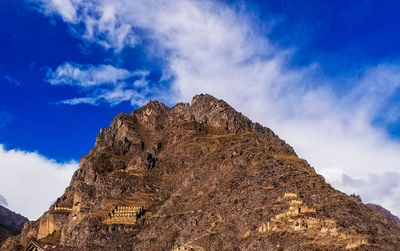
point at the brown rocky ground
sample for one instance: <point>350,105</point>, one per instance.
<point>207,178</point>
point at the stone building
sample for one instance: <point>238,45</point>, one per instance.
<point>123,215</point>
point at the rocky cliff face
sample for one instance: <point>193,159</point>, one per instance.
<point>202,176</point>
<point>10,223</point>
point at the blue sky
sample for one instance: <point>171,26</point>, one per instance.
<point>324,75</point>
<point>31,43</point>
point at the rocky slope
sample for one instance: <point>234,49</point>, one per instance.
<point>202,176</point>
<point>10,223</point>
<point>392,218</point>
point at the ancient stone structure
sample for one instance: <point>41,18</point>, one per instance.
<point>76,207</point>
<point>357,242</point>
<point>187,247</point>
<point>47,226</point>
<point>290,195</point>
<point>123,215</point>
<point>297,207</point>
<point>62,209</point>
<point>302,219</point>
<point>33,247</point>
<point>40,246</point>
<point>53,220</point>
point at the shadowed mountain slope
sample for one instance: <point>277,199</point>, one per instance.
<point>10,223</point>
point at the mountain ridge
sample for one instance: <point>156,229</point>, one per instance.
<point>202,176</point>
<point>10,223</point>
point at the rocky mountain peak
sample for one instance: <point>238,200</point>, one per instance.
<point>204,103</point>
<point>152,108</point>
<point>202,176</point>
<point>207,109</point>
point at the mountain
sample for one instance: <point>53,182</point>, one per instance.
<point>201,176</point>
<point>10,223</point>
<point>389,216</point>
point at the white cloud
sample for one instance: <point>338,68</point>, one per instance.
<point>111,97</point>
<point>100,22</point>
<point>83,100</point>
<point>31,182</point>
<point>211,48</point>
<point>116,83</point>
<point>87,76</point>
<point>65,8</point>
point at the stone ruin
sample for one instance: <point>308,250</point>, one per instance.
<point>289,195</point>
<point>52,220</point>
<point>298,207</point>
<point>187,247</point>
<point>62,209</point>
<point>76,207</point>
<point>293,218</point>
<point>123,215</point>
<point>302,219</point>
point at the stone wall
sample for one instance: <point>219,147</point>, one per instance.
<point>123,215</point>
<point>299,218</point>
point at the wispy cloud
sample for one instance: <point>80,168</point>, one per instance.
<point>112,97</point>
<point>12,80</point>
<point>28,178</point>
<point>67,9</point>
<point>86,76</point>
<point>209,47</point>
<point>103,83</point>
<point>100,24</point>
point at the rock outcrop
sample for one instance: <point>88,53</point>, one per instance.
<point>202,176</point>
